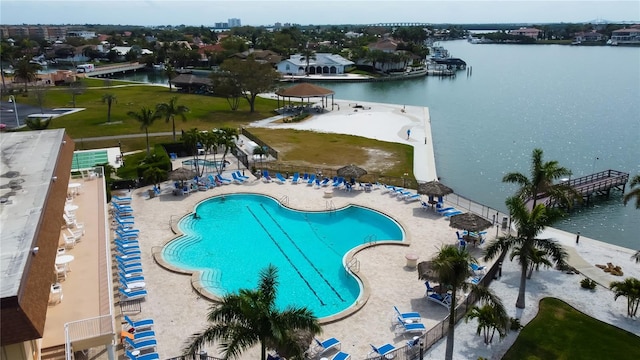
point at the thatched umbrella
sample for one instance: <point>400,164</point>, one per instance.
<point>182,174</point>
<point>470,222</point>
<point>426,271</point>
<point>434,188</point>
<point>351,171</point>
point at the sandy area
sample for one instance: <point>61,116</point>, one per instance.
<point>178,311</point>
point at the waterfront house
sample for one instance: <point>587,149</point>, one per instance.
<point>320,63</point>
<point>626,36</point>
<point>530,32</point>
<point>590,36</point>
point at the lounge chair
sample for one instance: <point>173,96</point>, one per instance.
<point>223,180</point>
<point>474,280</point>
<point>131,250</point>
<point>147,356</point>
<point>127,259</point>
<point>325,182</point>
<point>425,206</point>
<point>121,200</point>
<point>451,213</point>
<point>412,197</point>
<point>239,174</point>
<point>69,241</point>
<point>140,345</point>
<point>444,209</point>
<point>430,289</point>
<point>266,177</point>
<point>311,180</point>
<point>139,325</point>
<point>237,179</point>
<point>338,182</point>
<point>444,300</point>
<point>296,178</point>
<point>411,327</point>
<point>477,269</point>
<point>383,350</point>
<point>133,270</point>
<point>129,278</point>
<point>341,356</point>
<point>143,335</point>
<point>401,193</point>
<point>280,178</point>
<point>413,316</point>
<point>330,343</point>
<point>128,295</point>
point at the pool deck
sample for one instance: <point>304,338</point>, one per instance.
<point>179,311</point>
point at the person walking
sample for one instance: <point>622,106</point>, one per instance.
<point>408,133</point>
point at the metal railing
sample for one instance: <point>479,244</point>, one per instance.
<point>89,328</point>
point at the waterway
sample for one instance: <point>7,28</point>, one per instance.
<point>579,104</point>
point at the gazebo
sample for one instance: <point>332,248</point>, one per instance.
<point>190,83</point>
<point>305,91</point>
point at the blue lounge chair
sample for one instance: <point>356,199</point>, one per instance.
<point>330,343</point>
<point>296,178</point>
<point>430,289</point>
<point>477,269</point>
<point>129,278</point>
<point>440,299</point>
<point>280,178</point>
<point>223,180</point>
<point>127,259</point>
<point>341,356</point>
<point>305,178</point>
<point>412,197</point>
<point>139,325</point>
<point>383,350</point>
<point>413,316</point>
<point>131,270</point>
<point>411,327</point>
<point>325,182</point>
<point>239,174</point>
<point>121,200</point>
<point>237,179</point>
<point>128,295</point>
<point>311,180</point>
<point>338,182</point>
<point>451,213</point>
<point>147,356</point>
<point>424,205</point>
<point>266,177</point>
<point>140,345</point>
<point>143,335</point>
<point>128,251</point>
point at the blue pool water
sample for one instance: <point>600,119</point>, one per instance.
<point>238,235</point>
<point>202,162</point>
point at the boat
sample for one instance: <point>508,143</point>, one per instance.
<point>440,55</point>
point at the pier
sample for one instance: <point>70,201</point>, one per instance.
<point>114,69</point>
<point>600,183</point>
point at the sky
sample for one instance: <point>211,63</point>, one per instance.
<point>312,12</point>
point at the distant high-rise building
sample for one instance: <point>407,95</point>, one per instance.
<point>234,23</point>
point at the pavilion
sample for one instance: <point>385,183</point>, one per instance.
<point>306,91</point>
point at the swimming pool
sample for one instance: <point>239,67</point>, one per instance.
<point>203,162</point>
<point>236,236</point>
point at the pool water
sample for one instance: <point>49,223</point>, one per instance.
<point>202,162</point>
<point>237,236</point>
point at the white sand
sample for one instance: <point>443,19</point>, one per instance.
<point>178,311</point>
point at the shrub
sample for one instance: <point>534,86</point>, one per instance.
<point>587,283</point>
<point>514,324</point>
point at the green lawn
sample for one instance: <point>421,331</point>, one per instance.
<point>297,148</point>
<point>562,332</point>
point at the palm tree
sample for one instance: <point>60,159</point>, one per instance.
<point>537,257</point>
<point>541,181</point>
<point>227,140</point>
<point>249,317</point>
<point>170,72</point>
<point>529,224</point>
<point>491,316</point>
<point>170,110</point>
<point>145,117</point>
<point>629,288</point>
<point>26,71</point>
<point>109,99</point>
<point>633,193</point>
<point>451,265</point>
<point>307,55</point>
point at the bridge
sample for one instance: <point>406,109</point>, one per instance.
<point>399,24</point>
<point>600,183</point>
<point>114,69</point>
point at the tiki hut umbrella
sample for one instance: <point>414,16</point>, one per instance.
<point>434,188</point>
<point>427,272</point>
<point>470,222</point>
<point>182,174</point>
<point>351,171</point>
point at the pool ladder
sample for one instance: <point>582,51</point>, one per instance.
<point>284,200</point>
<point>354,265</point>
<point>370,239</point>
<point>330,207</point>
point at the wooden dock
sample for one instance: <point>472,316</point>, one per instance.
<point>600,183</point>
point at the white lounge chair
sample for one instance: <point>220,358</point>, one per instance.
<point>444,300</point>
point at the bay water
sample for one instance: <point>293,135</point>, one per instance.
<point>579,104</point>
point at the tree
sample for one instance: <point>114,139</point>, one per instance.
<point>629,288</point>
<point>193,139</point>
<point>170,73</point>
<point>40,94</point>
<point>227,139</point>
<point>38,123</point>
<point>224,85</point>
<point>307,56</point>
<point>170,110</point>
<point>76,88</point>
<point>634,193</point>
<point>491,315</point>
<point>154,175</point>
<point>252,77</point>
<point>145,117</point>
<point>109,99</point>
<point>249,317</point>
<point>26,71</point>
<point>528,224</point>
<point>536,258</point>
<point>452,266</point>
<point>540,183</point>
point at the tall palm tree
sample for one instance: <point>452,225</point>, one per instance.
<point>145,117</point>
<point>170,110</point>
<point>528,224</point>
<point>634,192</point>
<point>26,71</point>
<point>227,139</point>
<point>452,266</point>
<point>629,288</point>
<point>541,179</point>
<point>249,317</point>
<point>491,315</point>
<point>537,258</point>
<point>109,99</point>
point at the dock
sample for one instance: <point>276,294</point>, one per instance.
<point>600,183</point>
<point>109,70</point>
